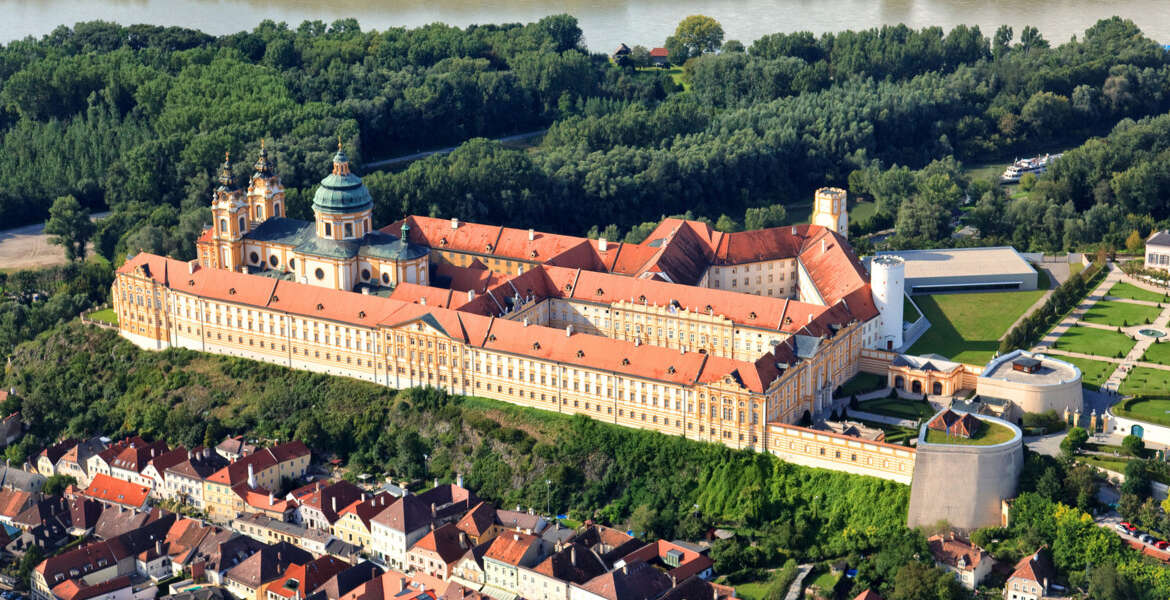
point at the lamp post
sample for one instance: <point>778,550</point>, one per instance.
<point>548,496</point>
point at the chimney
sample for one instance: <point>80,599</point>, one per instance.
<point>433,511</point>
<point>207,453</point>
<point>334,499</point>
<point>810,317</point>
<point>601,244</point>
<point>516,537</point>
<point>569,330</point>
<point>625,570</point>
<point>673,580</point>
<point>573,555</point>
<point>401,584</point>
<point>251,476</point>
<point>271,499</point>
<point>464,541</point>
<point>423,301</point>
<point>794,230</point>
<point>470,295</point>
<point>190,267</point>
<point>526,321</point>
<point>714,593</point>
<point>822,245</point>
<point>531,234</point>
<point>158,547</point>
<point>365,290</point>
<point>435,482</point>
<point>454,222</point>
<point>459,480</point>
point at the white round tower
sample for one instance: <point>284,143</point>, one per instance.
<point>887,278</point>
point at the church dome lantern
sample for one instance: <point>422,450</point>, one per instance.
<point>341,191</point>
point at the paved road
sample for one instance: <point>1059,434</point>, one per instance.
<point>29,246</point>
<point>387,162</point>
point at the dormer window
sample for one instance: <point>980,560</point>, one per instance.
<point>536,345</point>
<point>443,242</point>
<point>361,314</point>
<point>625,362</point>
<point>489,247</point>
<point>320,306</point>
<point>600,292</point>
<point>670,369</point>
<point>532,254</point>
<point>232,291</point>
<point>752,315</point>
<point>642,299</point>
<point>580,354</point>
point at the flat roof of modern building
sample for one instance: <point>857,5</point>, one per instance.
<point>1048,371</point>
<point>963,262</point>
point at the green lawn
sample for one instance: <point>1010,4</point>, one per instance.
<point>1158,353</point>
<point>861,212</point>
<point>1115,464</point>
<point>1075,268</point>
<point>751,591</point>
<point>1099,342</point>
<point>1043,280</point>
<point>825,581</point>
<point>1093,372</point>
<point>967,327</point>
<point>799,214</point>
<point>989,434</point>
<point>909,313</point>
<point>894,434</point>
<point>862,383</point>
<point>105,315</point>
<point>1154,410</point>
<point>1120,314</point>
<point>898,408</point>
<point>1144,381</point>
<point>1126,290</point>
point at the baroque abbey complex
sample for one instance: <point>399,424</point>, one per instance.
<point>726,337</point>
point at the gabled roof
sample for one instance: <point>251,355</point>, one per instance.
<point>955,551</point>
<point>299,581</point>
<point>868,595</point>
<point>637,581</point>
<point>267,564</point>
<point>446,541</point>
<point>56,451</point>
<point>78,590</point>
<point>695,588</point>
<point>366,508</point>
<point>324,496</point>
<point>608,543</point>
<point>478,520</point>
<point>115,491</point>
<point>690,561</point>
<point>573,563</point>
<point>12,502</point>
<point>1158,238</point>
<point>405,514</point>
<point>1035,567</point>
<point>345,581</point>
<point>510,547</point>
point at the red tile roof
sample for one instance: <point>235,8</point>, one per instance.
<point>510,547</point>
<point>955,425</point>
<point>115,491</point>
<point>868,595</point>
<point>953,551</point>
<point>299,581</point>
<point>659,52</point>
<point>445,541</point>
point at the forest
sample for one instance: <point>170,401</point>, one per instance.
<point>136,118</point>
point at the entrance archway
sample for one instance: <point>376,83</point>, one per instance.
<point>936,388</point>
<point>1137,430</point>
<point>916,386</point>
<point>899,382</point>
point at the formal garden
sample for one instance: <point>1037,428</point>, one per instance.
<point>1094,373</point>
<point>1152,409</point>
<point>1116,313</point>
<point>1127,290</point>
<point>1099,342</point>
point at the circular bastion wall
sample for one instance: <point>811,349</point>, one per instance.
<point>964,485</point>
<point>1058,388</point>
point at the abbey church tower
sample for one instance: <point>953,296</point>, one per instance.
<point>829,210</point>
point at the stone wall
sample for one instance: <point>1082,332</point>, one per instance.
<point>964,485</point>
<point>826,450</point>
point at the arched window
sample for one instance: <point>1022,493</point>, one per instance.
<point>936,388</point>
<point>223,226</point>
<point>328,230</point>
<point>241,225</point>
<point>276,209</point>
<point>348,230</point>
<point>259,212</point>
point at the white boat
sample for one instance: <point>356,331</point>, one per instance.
<point>1021,167</point>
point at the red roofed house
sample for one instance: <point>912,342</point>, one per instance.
<point>659,57</point>
<point>955,425</point>
<point>503,559</point>
<point>117,493</point>
<point>678,560</point>
<point>118,588</point>
<point>301,581</point>
<point>637,581</point>
<point>550,579</point>
<point>319,502</point>
<point>438,551</point>
<point>264,470</point>
<point>1031,578</point>
<point>392,585</point>
<point>968,562</point>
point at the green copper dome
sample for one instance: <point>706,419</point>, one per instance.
<point>341,191</point>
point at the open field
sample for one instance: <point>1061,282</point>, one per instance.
<point>1120,314</point>
<point>1093,372</point>
<point>861,212</point>
<point>1126,290</point>
<point>1099,342</point>
<point>28,247</point>
<point>967,327</point>
<point>988,435</point>
<point>898,408</point>
<point>1153,410</point>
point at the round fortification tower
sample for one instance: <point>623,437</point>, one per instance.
<point>887,278</point>
<point>964,484</point>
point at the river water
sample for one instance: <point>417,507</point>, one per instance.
<point>605,22</point>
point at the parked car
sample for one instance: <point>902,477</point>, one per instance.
<point>1126,525</point>
<point>1162,544</point>
<point>1146,538</point>
<point>1121,528</point>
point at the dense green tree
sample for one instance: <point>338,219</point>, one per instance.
<point>1074,440</point>
<point>70,227</point>
<point>699,34</point>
